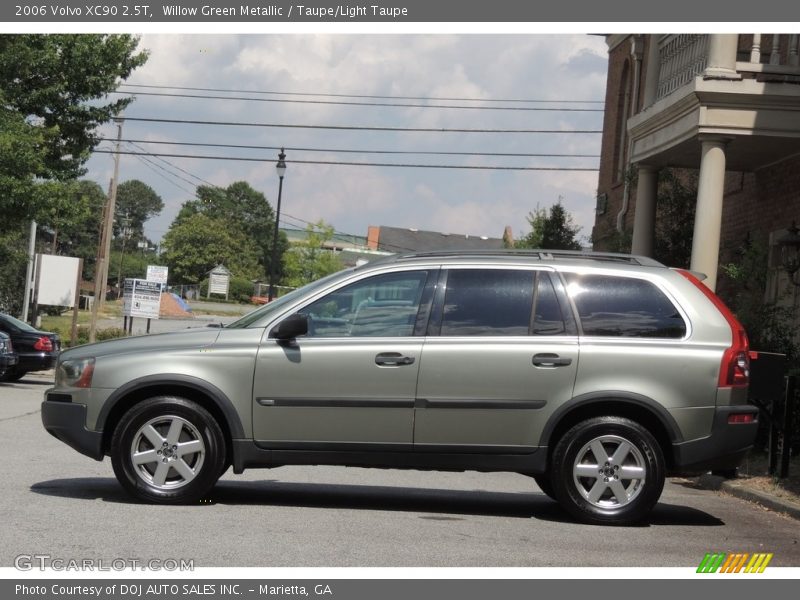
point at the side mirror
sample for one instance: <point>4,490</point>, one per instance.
<point>291,327</point>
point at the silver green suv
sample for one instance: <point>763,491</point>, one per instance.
<point>596,374</point>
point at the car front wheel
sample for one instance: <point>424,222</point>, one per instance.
<point>608,470</point>
<point>168,450</point>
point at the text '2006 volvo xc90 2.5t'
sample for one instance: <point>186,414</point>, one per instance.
<point>596,374</point>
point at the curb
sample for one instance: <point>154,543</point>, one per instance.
<point>717,483</point>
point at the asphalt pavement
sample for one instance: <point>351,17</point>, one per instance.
<point>58,502</point>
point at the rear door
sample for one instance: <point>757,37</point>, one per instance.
<point>501,353</point>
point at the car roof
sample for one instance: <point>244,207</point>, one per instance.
<point>526,257</point>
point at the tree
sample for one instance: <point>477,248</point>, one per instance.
<point>72,218</point>
<point>22,168</point>
<point>199,242</point>
<point>553,231</point>
<point>137,202</point>
<point>310,260</point>
<point>675,207</point>
<point>53,95</point>
<point>57,82</point>
<point>247,210</point>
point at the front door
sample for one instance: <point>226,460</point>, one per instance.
<point>352,379</point>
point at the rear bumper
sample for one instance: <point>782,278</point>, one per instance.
<point>67,422</point>
<point>8,360</point>
<point>37,362</point>
<point>724,449</point>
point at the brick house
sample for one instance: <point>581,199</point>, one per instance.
<point>724,106</point>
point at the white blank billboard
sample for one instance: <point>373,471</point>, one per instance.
<point>57,279</point>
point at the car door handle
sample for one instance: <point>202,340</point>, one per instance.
<point>548,359</point>
<point>393,359</point>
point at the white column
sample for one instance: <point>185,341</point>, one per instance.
<point>708,217</point>
<point>722,49</point>
<point>644,220</point>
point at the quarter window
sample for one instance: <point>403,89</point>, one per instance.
<point>623,307</point>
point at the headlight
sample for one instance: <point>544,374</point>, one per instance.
<point>75,373</point>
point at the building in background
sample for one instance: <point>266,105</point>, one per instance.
<point>725,106</point>
<point>399,240</point>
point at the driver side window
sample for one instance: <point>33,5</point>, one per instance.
<point>381,306</point>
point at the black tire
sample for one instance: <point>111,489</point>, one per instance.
<point>620,489</point>
<point>180,449</point>
<point>544,483</point>
<point>12,374</point>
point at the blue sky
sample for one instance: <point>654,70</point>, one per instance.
<point>559,68</point>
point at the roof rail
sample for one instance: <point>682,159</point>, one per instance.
<point>633,259</point>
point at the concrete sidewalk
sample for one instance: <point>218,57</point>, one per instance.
<point>739,488</point>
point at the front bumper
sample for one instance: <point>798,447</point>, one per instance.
<point>724,449</point>
<point>67,422</point>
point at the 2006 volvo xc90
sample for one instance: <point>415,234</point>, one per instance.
<point>596,374</point>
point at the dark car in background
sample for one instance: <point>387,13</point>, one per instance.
<point>8,358</point>
<point>36,350</point>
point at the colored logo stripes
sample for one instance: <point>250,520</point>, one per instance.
<point>720,562</point>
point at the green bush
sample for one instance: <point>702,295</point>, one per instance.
<point>109,333</point>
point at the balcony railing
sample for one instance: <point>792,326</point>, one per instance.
<point>767,57</point>
<point>771,54</point>
<point>681,58</point>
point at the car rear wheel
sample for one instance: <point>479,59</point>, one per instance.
<point>168,450</point>
<point>608,470</point>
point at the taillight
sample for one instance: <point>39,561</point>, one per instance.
<point>734,370</point>
<point>741,418</point>
<point>43,344</point>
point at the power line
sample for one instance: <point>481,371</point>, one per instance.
<point>362,151</point>
<point>357,164</point>
<point>354,103</point>
<point>285,214</point>
<point>358,127</point>
<point>152,166</point>
<point>368,96</point>
<point>174,166</point>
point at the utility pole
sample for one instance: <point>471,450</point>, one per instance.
<point>29,272</point>
<point>104,249</point>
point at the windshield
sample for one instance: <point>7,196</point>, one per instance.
<point>276,305</point>
<point>19,324</point>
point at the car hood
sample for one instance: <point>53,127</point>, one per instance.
<point>187,338</point>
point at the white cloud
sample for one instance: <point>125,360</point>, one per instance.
<point>539,67</point>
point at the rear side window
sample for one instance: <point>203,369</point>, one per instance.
<point>488,302</point>
<point>623,307</point>
<point>500,302</point>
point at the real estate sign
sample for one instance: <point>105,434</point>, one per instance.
<point>141,298</point>
<point>158,274</point>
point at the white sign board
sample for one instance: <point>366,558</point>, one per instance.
<point>157,274</point>
<point>218,283</point>
<point>141,298</point>
<point>56,280</point>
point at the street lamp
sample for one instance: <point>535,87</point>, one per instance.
<point>280,167</point>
